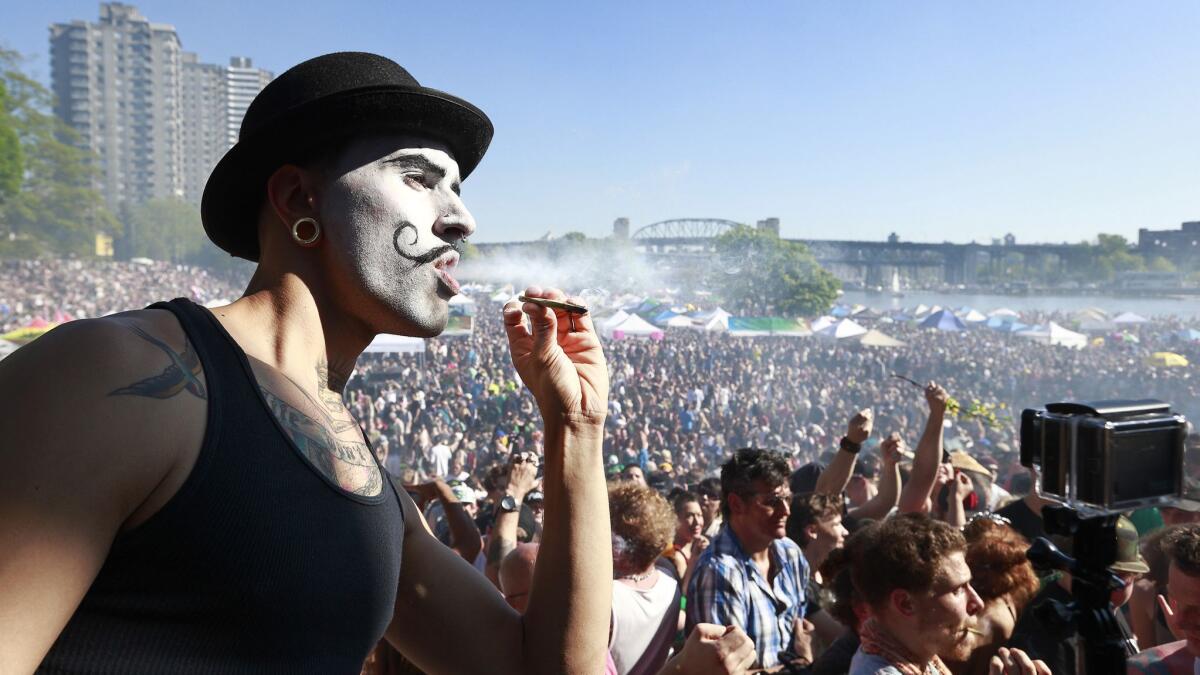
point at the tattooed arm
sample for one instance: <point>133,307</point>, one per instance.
<point>98,419</point>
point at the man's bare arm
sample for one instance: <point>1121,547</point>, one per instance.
<point>95,414</point>
<point>564,626</point>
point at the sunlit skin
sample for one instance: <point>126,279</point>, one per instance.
<point>936,621</point>
<point>690,523</point>
<point>824,536</point>
<point>1183,607</point>
<point>392,215</point>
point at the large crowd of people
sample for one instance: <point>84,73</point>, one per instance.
<point>761,483</point>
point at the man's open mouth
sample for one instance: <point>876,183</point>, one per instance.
<point>444,267</point>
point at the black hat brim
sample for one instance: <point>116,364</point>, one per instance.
<point>236,188</point>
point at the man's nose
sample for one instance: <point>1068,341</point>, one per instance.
<point>974,602</point>
<point>456,221</point>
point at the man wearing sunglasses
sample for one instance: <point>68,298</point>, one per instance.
<point>753,576</point>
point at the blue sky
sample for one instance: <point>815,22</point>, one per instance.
<point>941,121</point>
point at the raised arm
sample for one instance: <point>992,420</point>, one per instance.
<point>522,474</point>
<point>442,602</point>
<point>83,454</point>
<point>834,478</point>
<point>885,500</point>
<point>928,455</point>
<point>464,534</point>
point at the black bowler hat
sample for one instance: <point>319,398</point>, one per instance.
<point>321,99</point>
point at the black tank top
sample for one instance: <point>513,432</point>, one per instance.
<point>259,564</point>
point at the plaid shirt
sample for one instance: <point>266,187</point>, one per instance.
<point>728,589</point>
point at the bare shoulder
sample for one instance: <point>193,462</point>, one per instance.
<point>98,421</point>
<point>114,402</point>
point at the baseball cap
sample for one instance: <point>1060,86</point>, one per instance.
<point>1129,556</point>
<point>463,492</point>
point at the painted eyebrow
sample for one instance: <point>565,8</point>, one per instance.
<point>423,163</point>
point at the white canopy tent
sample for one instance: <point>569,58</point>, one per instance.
<point>680,321</point>
<point>1054,334</point>
<point>974,316</point>
<point>396,344</point>
<point>1129,318</point>
<point>841,330</point>
<point>603,325</point>
<point>633,326</point>
<point>874,338</point>
<point>821,323</point>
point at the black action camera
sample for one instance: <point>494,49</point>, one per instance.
<point>1106,455</point>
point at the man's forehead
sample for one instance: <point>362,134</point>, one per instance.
<point>955,571</point>
<point>388,148</point>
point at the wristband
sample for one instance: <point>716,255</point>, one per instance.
<point>849,445</point>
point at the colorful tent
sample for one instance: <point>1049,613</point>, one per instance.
<point>945,320</point>
<point>34,329</point>
<point>1091,313</point>
<point>1167,360</point>
<point>1054,334</point>
<point>1189,335</point>
<point>846,328</point>
<point>663,317</point>
<point>1004,312</point>
<point>747,326</point>
<point>874,338</point>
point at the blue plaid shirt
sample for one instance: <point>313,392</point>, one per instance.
<point>727,589</point>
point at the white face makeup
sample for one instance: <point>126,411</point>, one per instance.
<point>393,215</point>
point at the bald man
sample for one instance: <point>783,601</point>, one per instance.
<point>516,575</point>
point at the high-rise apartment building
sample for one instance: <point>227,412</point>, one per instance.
<point>215,99</point>
<point>117,82</point>
<point>157,118</point>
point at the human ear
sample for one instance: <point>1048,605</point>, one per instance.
<point>291,194</point>
<point>902,602</point>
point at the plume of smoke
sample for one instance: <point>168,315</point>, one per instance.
<point>613,268</point>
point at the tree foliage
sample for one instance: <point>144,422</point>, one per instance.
<point>757,272</point>
<point>11,158</point>
<point>55,208</point>
<point>165,229</point>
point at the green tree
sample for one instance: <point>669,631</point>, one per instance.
<point>165,229</point>
<point>11,161</point>
<point>56,208</point>
<point>758,272</point>
<point>1161,264</point>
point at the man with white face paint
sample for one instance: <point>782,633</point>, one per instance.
<point>213,506</point>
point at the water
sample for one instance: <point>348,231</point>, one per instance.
<point>1187,308</point>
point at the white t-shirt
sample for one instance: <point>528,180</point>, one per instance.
<point>636,617</point>
<point>441,455</point>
